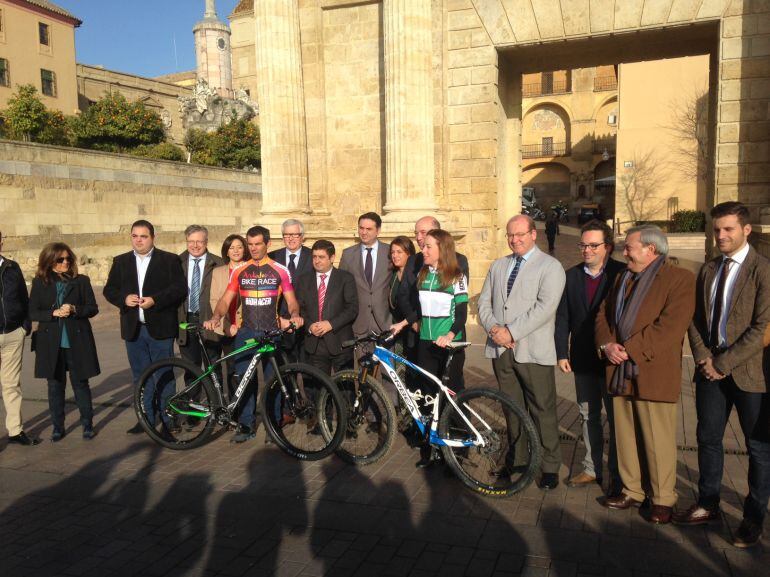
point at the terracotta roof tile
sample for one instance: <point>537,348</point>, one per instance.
<point>243,7</point>
<point>51,7</point>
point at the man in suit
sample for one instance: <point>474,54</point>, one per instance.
<point>14,327</point>
<point>640,330</point>
<point>408,295</point>
<point>298,260</point>
<point>732,313</point>
<point>517,308</point>
<point>369,263</point>
<point>328,304</point>
<point>147,285</point>
<point>197,266</point>
<point>586,288</point>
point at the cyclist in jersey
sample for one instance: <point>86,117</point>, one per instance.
<point>260,283</point>
<point>443,295</point>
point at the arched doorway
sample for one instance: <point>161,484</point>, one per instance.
<point>550,181</point>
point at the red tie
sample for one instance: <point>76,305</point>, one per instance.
<point>321,296</point>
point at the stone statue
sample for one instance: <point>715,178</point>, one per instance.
<point>206,110</point>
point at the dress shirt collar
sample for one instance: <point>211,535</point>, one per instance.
<point>739,256</point>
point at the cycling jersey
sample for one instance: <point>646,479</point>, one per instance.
<point>260,286</point>
<point>438,305</point>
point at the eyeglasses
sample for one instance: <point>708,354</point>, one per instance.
<point>62,259</point>
<point>197,242</point>
<point>293,235</point>
<point>594,246</point>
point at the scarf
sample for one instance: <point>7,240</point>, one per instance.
<point>626,311</point>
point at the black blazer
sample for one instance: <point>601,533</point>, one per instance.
<point>340,308</point>
<point>48,337</point>
<point>165,283</point>
<point>408,295</point>
<point>575,318</point>
<point>212,262</point>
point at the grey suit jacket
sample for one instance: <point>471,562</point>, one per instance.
<point>748,318</point>
<point>373,309</point>
<point>212,262</point>
<point>529,311</point>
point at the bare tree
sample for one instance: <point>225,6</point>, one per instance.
<point>640,184</point>
<point>689,126</point>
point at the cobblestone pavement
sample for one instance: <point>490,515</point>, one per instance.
<point>120,505</point>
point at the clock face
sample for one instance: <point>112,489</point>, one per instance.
<point>221,44</point>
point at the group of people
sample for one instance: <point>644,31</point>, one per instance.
<point>618,328</point>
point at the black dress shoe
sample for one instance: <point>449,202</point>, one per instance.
<point>135,430</point>
<point>748,534</point>
<point>57,436</point>
<point>89,433</point>
<point>548,481</point>
<point>23,439</point>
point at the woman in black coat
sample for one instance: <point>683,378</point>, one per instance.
<point>61,302</point>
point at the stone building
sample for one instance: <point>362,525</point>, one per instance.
<point>411,106</point>
<point>161,96</point>
<point>37,47</point>
<point>213,52</point>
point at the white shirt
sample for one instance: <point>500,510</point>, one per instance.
<point>191,270</point>
<point>328,274</point>
<point>732,275</point>
<point>374,248</point>
<point>297,254</point>
<point>142,263</point>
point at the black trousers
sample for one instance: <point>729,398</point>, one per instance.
<point>330,363</point>
<point>56,388</point>
<point>433,359</point>
<point>192,350</point>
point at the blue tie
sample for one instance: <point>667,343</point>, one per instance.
<point>195,288</point>
<point>514,273</point>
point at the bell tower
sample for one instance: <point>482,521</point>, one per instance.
<point>213,53</point>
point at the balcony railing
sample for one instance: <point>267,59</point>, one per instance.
<point>602,144</point>
<point>544,150</point>
<point>602,83</point>
<point>545,88</point>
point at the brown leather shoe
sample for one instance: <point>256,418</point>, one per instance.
<point>621,502</point>
<point>660,514</point>
<point>581,480</point>
<point>695,515</point>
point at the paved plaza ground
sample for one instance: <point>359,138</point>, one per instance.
<point>121,505</point>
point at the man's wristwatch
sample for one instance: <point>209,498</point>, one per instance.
<point>602,351</point>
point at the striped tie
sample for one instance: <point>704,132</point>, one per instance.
<point>321,296</point>
<point>514,272</point>
<point>195,288</point>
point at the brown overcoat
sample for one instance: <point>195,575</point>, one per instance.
<point>748,318</point>
<point>655,344</point>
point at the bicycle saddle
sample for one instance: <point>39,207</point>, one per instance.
<point>458,345</point>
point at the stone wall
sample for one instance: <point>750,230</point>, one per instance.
<point>89,200</point>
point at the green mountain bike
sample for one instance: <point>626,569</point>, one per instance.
<point>179,405</point>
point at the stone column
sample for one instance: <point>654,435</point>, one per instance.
<point>409,165</point>
<point>281,107</point>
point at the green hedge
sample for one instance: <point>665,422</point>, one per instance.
<point>162,151</point>
<point>689,221</point>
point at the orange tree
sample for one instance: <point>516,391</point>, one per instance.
<point>27,118</point>
<point>114,124</point>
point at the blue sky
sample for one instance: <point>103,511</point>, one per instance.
<point>137,36</point>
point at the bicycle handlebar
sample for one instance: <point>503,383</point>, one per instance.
<point>383,338</point>
<point>194,328</point>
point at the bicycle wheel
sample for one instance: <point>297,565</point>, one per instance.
<point>176,420</point>
<point>511,457</point>
<point>371,419</point>
<point>296,422</point>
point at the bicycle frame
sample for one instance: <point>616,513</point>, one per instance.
<point>387,360</point>
<point>265,348</point>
